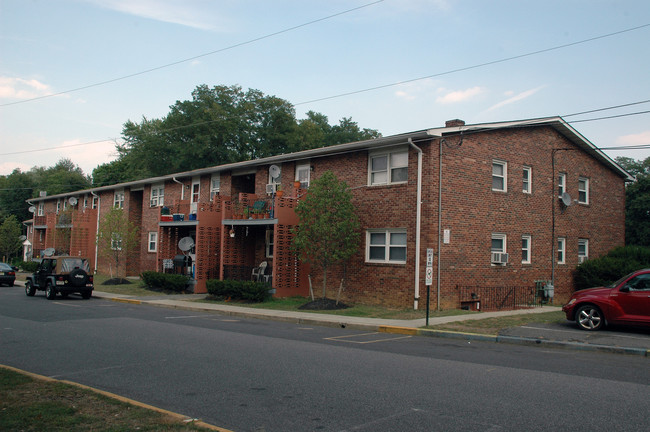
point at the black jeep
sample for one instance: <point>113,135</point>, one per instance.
<point>61,274</point>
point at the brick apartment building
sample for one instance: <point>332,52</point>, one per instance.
<point>484,205</point>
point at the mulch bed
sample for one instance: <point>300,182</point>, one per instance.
<point>116,281</point>
<point>323,304</point>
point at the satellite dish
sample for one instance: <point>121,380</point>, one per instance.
<point>22,238</point>
<point>186,243</point>
<point>566,199</point>
<point>48,252</point>
<point>32,209</point>
<point>73,201</point>
<point>274,171</point>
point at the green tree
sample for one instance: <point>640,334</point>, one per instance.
<point>328,232</point>
<point>117,239</point>
<point>10,243</point>
<point>637,202</point>
<point>63,177</point>
<point>15,190</point>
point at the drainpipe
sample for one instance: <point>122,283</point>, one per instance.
<point>439,223</point>
<point>182,187</point>
<point>99,202</point>
<point>418,223</point>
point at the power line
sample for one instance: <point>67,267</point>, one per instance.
<point>146,71</point>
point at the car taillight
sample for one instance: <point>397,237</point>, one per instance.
<point>59,278</point>
<point>90,278</point>
<point>11,273</point>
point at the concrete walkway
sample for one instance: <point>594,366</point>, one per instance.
<point>564,336</point>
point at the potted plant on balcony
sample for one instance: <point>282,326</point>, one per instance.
<point>279,193</point>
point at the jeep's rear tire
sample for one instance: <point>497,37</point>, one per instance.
<point>86,294</point>
<point>29,289</point>
<point>50,291</point>
<point>78,277</point>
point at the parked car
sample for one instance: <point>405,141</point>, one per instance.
<point>625,302</point>
<point>7,274</point>
<point>61,275</point>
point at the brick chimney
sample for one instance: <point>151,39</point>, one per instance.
<point>454,123</point>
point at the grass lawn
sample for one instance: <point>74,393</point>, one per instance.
<point>492,326</point>
<point>30,404</point>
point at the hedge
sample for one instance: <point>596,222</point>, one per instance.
<point>165,281</point>
<point>28,266</point>
<point>610,268</point>
<point>239,290</point>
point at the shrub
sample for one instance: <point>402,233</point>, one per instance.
<point>239,290</point>
<point>28,266</point>
<point>613,266</point>
<point>165,281</point>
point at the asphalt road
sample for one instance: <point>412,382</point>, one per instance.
<point>254,375</point>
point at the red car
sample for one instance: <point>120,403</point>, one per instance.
<point>626,302</point>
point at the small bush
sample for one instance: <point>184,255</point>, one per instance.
<point>28,266</point>
<point>613,266</point>
<point>239,290</point>
<point>165,281</point>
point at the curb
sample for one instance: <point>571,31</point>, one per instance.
<point>410,331</point>
<point>180,417</point>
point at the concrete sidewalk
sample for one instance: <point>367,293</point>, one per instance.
<point>564,336</point>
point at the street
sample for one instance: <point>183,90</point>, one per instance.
<point>256,375</point>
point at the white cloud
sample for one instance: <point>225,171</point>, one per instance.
<point>7,168</point>
<point>193,14</point>
<point>634,139</point>
<point>19,88</point>
<point>515,98</point>
<point>460,95</point>
<point>413,90</point>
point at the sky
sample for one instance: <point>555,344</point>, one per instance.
<point>72,72</point>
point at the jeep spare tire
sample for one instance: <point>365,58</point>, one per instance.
<point>78,277</point>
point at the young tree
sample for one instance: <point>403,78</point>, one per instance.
<point>117,238</point>
<point>9,237</point>
<point>329,228</point>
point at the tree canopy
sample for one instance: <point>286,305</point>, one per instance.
<point>637,202</point>
<point>220,125</point>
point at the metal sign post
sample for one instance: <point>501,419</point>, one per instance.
<point>429,278</point>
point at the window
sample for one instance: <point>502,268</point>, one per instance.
<point>583,190</point>
<point>526,249</point>
<point>116,241</point>
<point>196,190</point>
<point>157,196</point>
<point>85,201</point>
<point>94,204</point>
<point>153,242</point>
<point>215,186</point>
<point>528,180</point>
<point>58,206</point>
<point>302,175</point>
<point>41,209</point>
<point>561,184</point>
<point>583,250</point>
<point>498,249</point>
<point>388,168</point>
<point>118,199</point>
<point>561,250</point>
<point>270,242</point>
<point>499,176</point>
<point>386,246</point>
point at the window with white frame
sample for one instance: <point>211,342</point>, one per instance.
<point>388,168</point>
<point>41,209</point>
<point>85,201</point>
<point>583,250</point>
<point>583,190</point>
<point>269,243</point>
<point>153,242</point>
<point>526,247</point>
<point>561,250</point>
<point>561,184</point>
<point>498,249</point>
<point>215,185</point>
<point>116,241</point>
<point>302,175</point>
<point>94,203</point>
<point>499,176</point>
<point>118,199</point>
<point>196,190</point>
<point>58,206</point>
<point>386,246</point>
<point>157,198</point>
<point>527,180</point>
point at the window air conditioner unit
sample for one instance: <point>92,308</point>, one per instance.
<point>582,259</point>
<point>499,258</point>
<point>271,188</point>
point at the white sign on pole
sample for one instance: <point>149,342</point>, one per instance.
<point>429,269</point>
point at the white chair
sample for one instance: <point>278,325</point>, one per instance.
<point>258,272</point>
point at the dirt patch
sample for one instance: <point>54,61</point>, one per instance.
<point>323,304</point>
<point>116,281</point>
